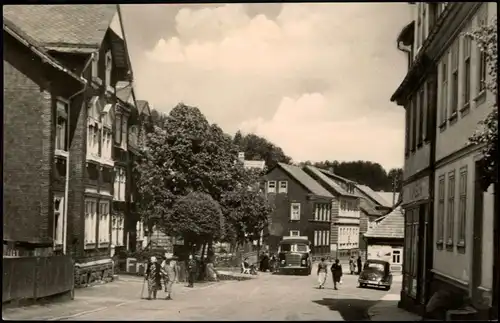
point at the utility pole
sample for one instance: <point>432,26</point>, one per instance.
<point>395,182</point>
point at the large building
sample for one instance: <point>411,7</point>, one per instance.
<point>448,218</point>
<point>85,190</point>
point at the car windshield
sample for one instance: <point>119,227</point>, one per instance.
<point>293,248</point>
<point>374,266</point>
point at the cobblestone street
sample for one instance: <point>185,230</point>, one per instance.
<point>267,297</point>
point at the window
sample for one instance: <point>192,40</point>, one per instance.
<point>295,211</point>
<point>124,128</point>
<point>140,230</point>
<point>90,221</point>
<point>283,188</point>
<point>450,221</point>
<point>462,207</point>
<point>294,233</point>
<point>119,184</point>
<point>271,186</point>
<point>421,120</point>
<point>61,125</point>
<point>118,127</point>
<point>107,133</point>
<point>454,79</point>
<point>95,66</point>
<point>117,230</point>
<point>123,183</point>
<point>93,128</point>
<point>414,124</point>
<point>109,67</point>
<point>104,219</point>
<point>58,219</point>
<point>467,67</point>
<point>482,19</point>
<point>396,257</point>
<point>430,105</point>
<point>316,238</point>
<point>440,215</point>
<point>444,90</point>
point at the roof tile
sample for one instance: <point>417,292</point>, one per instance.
<point>63,25</point>
<point>327,180</point>
<point>373,195</point>
<point>389,226</point>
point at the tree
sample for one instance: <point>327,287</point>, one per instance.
<point>197,217</point>
<point>396,176</point>
<point>487,134</point>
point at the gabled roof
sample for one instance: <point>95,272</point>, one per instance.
<point>303,178</point>
<point>332,174</point>
<point>369,209</point>
<point>388,196</point>
<point>373,195</point>
<point>123,91</point>
<point>63,26</point>
<point>143,107</point>
<point>323,177</point>
<point>32,44</point>
<point>391,225</point>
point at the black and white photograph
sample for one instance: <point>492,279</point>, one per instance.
<point>287,161</point>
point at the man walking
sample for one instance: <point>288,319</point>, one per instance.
<point>191,269</point>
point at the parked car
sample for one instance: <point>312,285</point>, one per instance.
<point>376,273</point>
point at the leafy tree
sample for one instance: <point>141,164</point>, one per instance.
<point>396,176</point>
<point>197,217</point>
<point>487,133</point>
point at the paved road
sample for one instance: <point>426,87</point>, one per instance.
<point>267,297</point>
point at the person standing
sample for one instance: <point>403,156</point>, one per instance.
<point>171,276</point>
<point>352,265</point>
<point>322,272</point>
<point>191,270</point>
<point>153,277</point>
<point>336,270</point>
<point>359,265</point>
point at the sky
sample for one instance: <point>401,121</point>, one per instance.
<point>315,79</point>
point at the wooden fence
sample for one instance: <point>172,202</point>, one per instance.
<point>36,277</point>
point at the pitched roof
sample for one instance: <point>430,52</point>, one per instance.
<point>321,175</point>
<point>373,195</point>
<point>143,107</point>
<point>123,91</point>
<point>387,196</point>
<point>53,26</point>
<point>306,180</point>
<point>391,225</point>
<point>368,208</point>
<point>331,173</point>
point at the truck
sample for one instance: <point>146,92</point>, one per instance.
<point>294,255</point>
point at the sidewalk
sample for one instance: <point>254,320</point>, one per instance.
<point>387,310</point>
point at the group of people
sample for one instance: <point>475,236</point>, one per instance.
<point>167,272</point>
<point>336,270</point>
<point>353,263</point>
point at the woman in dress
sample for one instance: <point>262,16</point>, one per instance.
<point>352,265</point>
<point>322,271</point>
<point>336,270</point>
<point>153,276</point>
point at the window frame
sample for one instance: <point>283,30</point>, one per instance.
<point>297,231</point>
<point>450,214</point>
<point>441,210</point>
<point>421,118</point>
<point>466,77</point>
<point>271,189</point>
<point>444,90</point>
<point>455,79</point>
<point>104,219</point>
<point>398,254</point>
<point>462,208</point>
<point>283,190</point>
<point>292,205</point>
<point>58,229</point>
<point>61,130</point>
<point>482,70</point>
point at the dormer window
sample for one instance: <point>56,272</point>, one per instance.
<point>109,68</point>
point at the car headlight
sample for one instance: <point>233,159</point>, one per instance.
<point>283,261</point>
<point>303,261</point>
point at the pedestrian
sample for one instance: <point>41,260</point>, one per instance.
<point>352,265</point>
<point>359,265</point>
<point>171,276</point>
<point>336,270</point>
<point>322,272</point>
<point>191,270</point>
<point>153,277</point>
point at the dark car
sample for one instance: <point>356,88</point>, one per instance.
<point>376,273</point>
<point>294,255</point>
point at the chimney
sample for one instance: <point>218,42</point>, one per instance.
<point>241,156</point>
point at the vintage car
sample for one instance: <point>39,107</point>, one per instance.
<point>376,273</point>
<point>294,255</point>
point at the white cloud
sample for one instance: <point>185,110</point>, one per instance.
<point>316,70</point>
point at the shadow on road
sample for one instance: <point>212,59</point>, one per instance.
<point>349,309</point>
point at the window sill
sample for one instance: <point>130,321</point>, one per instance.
<point>453,118</point>
<point>103,244</point>
<point>294,220</point>
<point>449,245</point>
<point>465,110</point>
<point>480,98</point>
<point>89,245</point>
<point>61,153</point>
<point>442,126</point>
